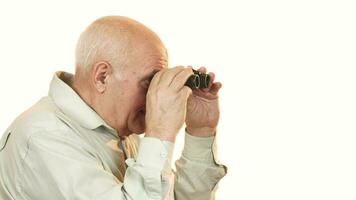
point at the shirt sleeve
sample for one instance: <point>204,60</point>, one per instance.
<point>59,168</point>
<point>198,169</point>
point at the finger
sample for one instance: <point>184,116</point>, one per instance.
<point>156,78</point>
<point>211,81</point>
<point>202,69</point>
<point>212,78</point>
<point>180,79</point>
<point>215,88</point>
<point>186,92</point>
<point>169,75</point>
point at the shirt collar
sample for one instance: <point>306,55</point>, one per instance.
<point>72,105</point>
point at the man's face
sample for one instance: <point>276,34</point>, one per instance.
<point>134,85</point>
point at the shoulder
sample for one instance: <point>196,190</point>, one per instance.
<point>40,120</point>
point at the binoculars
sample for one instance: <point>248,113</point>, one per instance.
<point>198,80</point>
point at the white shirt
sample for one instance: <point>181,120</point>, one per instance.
<point>61,149</point>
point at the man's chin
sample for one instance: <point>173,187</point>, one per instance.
<point>138,130</point>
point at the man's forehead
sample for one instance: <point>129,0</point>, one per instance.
<point>158,65</point>
<point>150,62</point>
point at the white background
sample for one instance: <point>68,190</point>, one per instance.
<point>288,68</point>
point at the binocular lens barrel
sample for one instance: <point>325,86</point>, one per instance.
<point>198,80</point>
<point>204,80</point>
<point>193,81</point>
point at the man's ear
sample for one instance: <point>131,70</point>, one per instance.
<point>100,74</point>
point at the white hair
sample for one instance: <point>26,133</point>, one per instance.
<point>100,42</point>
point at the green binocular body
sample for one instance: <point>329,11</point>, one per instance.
<point>198,80</point>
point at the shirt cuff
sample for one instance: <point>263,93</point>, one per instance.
<point>198,148</point>
<point>155,153</point>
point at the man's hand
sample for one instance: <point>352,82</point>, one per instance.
<point>166,103</point>
<point>203,109</point>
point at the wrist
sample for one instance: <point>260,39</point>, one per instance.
<point>201,131</point>
<point>161,135</point>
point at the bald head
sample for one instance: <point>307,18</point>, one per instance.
<point>116,58</point>
<point>114,39</point>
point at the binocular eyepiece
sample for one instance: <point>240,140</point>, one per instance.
<point>198,80</point>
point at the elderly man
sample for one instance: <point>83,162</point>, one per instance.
<point>81,142</point>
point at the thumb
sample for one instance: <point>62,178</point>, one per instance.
<point>186,92</point>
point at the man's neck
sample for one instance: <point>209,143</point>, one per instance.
<point>88,98</point>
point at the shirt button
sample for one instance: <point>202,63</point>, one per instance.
<point>164,154</point>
